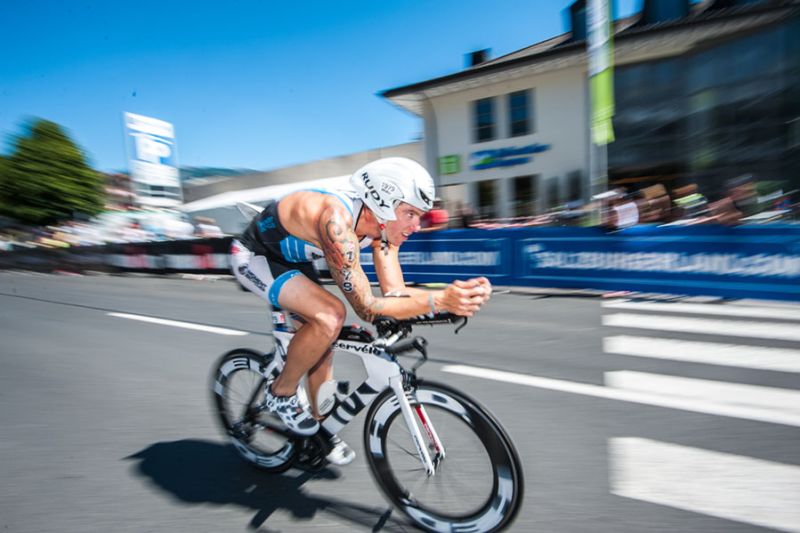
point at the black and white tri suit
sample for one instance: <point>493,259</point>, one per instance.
<point>265,255</point>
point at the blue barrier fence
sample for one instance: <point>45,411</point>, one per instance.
<point>739,262</point>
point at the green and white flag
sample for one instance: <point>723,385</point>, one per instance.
<point>601,70</point>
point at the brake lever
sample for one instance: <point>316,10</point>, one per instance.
<point>463,324</point>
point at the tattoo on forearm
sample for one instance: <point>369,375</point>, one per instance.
<point>347,276</point>
<point>340,245</point>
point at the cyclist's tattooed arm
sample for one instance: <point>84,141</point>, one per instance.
<point>389,272</point>
<point>340,245</point>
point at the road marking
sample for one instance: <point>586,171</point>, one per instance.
<point>710,353</point>
<point>736,328</point>
<point>708,309</point>
<point>177,324</point>
<point>743,489</point>
<point>598,391</point>
<point>707,390</point>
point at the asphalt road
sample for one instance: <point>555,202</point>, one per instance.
<point>106,422</point>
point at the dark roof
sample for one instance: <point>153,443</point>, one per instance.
<point>706,11</point>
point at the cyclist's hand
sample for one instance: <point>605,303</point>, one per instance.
<point>464,298</point>
<point>487,287</point>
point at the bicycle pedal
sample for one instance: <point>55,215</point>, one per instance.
<point>311,463</point>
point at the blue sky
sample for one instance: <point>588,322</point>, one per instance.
<point>252,84</point>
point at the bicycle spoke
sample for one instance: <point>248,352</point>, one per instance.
<point>412,454</point>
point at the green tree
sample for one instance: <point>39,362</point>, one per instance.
<point>47,179</point>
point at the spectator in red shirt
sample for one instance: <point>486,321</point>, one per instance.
<point>435,219</point>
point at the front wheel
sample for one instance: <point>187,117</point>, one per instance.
<point>238,384</point>
<point>477,485</point>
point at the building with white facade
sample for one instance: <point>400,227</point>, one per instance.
<point>704,92</point>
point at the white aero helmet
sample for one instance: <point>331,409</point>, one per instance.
<point>383,183</point>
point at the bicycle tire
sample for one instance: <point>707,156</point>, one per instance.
<point>268,450</point>
<point>498,506</point>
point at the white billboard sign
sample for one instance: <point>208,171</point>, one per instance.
<point>152,154</point>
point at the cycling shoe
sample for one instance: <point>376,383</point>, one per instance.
<point>292,412</point>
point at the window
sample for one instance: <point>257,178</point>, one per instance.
<point>578,18</point>
<point>553,193</point>
<point>487,204</point>
<point>519,104</point>
<point>484,119</point>
<point>575,186</point>
<point>664,10</point>
<point>524,196</point>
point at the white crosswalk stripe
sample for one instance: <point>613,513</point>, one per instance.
<point>706,390</point>
<point>738,328</point>
<point>733,487</point>
<point>708,309</point>
<point>710,353</point>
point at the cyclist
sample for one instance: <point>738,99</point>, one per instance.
<point>273,258</point>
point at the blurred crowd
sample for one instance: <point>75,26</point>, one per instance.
<point>620,208</point>
<point>130,225</point>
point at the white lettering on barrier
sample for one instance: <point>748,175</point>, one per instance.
<point>443,258</point>
<point>763,265</point>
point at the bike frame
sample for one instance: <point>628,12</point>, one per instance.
<point>383,372</point>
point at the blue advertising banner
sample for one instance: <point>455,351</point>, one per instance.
<point>741,262</point>
<point>757,262</point>
<point>453,254</point>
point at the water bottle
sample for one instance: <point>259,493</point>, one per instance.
<point>328,394</point>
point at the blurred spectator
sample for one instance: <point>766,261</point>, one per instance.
<point>655,204</point>
<point>44,238</point>
<point>207,228</point>
<point>436,218</point>
<point>688,202</point>
<point>177,227</point>
<point>783,202</point>
<point>624,211</point>
<point>742,190</point>
<point>133,232</point>
<point>464,216</point>
<point>724,212</point>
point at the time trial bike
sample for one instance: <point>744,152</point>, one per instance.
<point>438,455</point>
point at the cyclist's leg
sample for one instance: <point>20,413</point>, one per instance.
<point>321,372</point>
<point>309,352</point>
<point>256,274</point>
<point>251,270</point>
<point>324,315</point>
